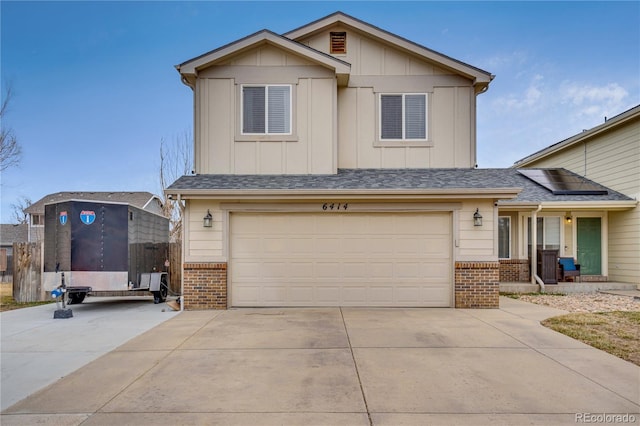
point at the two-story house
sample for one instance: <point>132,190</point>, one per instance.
<point>335,166</point>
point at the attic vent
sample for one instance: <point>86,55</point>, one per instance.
<point>338,42</point>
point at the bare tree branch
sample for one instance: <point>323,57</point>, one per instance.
<point>19,215</point>
<point>176,160</point>
<point>10,149</point>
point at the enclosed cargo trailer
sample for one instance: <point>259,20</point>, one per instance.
<point>105,247</point>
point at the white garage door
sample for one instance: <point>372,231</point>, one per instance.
<point>340,259</point>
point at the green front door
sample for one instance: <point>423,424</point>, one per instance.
<point>589,246</point>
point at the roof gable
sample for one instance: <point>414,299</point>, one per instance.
<point>480,78</point>
<point>189,69</point>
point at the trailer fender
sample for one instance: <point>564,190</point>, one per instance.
<point>158,279</point>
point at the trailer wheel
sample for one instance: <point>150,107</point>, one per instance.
<point>76,298</point>
<point>161,295</point>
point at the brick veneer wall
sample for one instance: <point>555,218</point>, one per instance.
<point>205,286</point>
<point>514,270</point>
<point>477,285</point>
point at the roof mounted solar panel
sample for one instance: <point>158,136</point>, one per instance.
<point>563,182</point>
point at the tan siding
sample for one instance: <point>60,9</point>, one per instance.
<point>321,129</point>
<point>309,150</point>
<point>418,157</point>
<point>203,244</point>
<point>624,246</point>
<point>368,156</point>
<point>347,128</point>
<point>450,130</point>
<point>372,57</point>
<point>476,243</point>
<point>270,157</point>
<point>462,128</point>
<point>443,127</point>
<point>245,158</point>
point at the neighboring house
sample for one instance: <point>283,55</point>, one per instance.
<point>35,212</point>
<point>610,155</point>
<point>335,166</point>
<point>9,234</point>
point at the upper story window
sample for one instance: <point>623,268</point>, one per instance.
<point>37,220</point>
<point>403,116</point>
<point>266,109</point>
<point>338,42</point>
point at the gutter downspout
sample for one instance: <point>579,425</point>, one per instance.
<point>181,253</point>
<point>535,279</point>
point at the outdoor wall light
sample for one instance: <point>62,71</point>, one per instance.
<point>207,221</point>
<point>477,218</point>
<point>569,219</point>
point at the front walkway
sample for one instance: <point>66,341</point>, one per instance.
<point>346,366</point>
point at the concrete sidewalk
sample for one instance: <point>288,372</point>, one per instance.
<point>346,366</point>
<point>37,350</point>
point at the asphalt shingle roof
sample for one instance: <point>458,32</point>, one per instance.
<point>389,179</point>
<point>136,199</point>
<point>10,233</point>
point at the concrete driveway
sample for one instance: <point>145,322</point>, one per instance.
<point>38,350</point>
<point>344,366</point>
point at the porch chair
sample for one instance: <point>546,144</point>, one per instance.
<point>568,268</point>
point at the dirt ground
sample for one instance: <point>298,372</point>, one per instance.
<point>6,289</point>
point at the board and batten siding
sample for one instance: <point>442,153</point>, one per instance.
<point>220,147</point>
<point>377,68</point>
<point>611,159</point>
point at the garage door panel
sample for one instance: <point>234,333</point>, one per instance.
<point>301,294</point>
<point>408,294</point>
<point>340,259</point>
<point>381,270</point>
<point>274,294</point>
<point>381,295</point>
<point>300,270</point>
<point>328,294</point>
<point>245,247</point>
<point>352,295</point>
<point>247,294</point>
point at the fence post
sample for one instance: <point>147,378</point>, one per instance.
<point>27,272</point>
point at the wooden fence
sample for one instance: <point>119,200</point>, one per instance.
<point>27,272</point>
<point>175,267</point>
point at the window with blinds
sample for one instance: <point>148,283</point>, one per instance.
<point>266,109</point>
<point>403,116</point>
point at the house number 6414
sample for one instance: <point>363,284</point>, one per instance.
<point>335,206</point>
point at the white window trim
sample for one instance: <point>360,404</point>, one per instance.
<point>41,218</point>
<point>379,142</point>
<point>510,232</point>
<point>266,109</point>
<point>525,229</point>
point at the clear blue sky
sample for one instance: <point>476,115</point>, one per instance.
<point>95,88</point>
